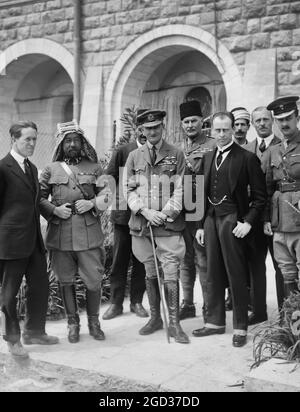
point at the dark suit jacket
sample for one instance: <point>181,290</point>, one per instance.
<point>244,170</point>
<point>119,158</point>
<point>19,211</point>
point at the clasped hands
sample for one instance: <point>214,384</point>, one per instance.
<point>64,211</point>
<point>154,217</point>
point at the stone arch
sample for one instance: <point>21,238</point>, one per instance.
<point>38,46</point>
<point>174,38</point>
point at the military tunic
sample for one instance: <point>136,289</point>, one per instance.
<point>283,185</point>
<point>79,237</point>
<point>148,186</point>
<point>195,256</point>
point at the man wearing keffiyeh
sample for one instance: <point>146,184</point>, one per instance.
<point>74,237</point>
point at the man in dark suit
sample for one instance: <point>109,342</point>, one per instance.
<point>120,216</point>
<point>228,172</point>
<point>259,245</point>
<point>21,245</point>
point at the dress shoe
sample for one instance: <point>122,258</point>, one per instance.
<point>113,311</point>
<point>139,310</point>
<point>200,333</point>
<point>238,341</point>
<point>16,349</point>
<point>253,319</point>
<point>42,339</point>
<point>187,311</point>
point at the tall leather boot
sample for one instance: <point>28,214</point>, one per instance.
<point>172,298</point>
<point>68,293</point>
<point>155,323</point>
<point>290,287</point>
<point>93,299</point>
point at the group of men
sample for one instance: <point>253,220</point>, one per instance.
<point>251,194</point>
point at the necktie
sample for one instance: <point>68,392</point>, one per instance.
<point>153,155</point>
<point>262,146</point>
<point>28,173</point>
<point>220,155</point>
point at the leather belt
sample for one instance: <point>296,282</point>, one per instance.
<point>288,187</point>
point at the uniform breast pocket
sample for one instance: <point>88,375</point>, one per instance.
<point>88,183</point>
<point>168,169</point>
<point>59,185</point>
<point>294,168</point>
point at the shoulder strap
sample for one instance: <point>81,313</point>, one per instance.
<point>74,178</point>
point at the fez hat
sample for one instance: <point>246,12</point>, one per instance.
<point>151,118</point>
<point>284,106</point>
<point>190,108</point>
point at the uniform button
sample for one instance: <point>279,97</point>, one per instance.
<point>284,158</point>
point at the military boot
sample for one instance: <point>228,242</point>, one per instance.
<point>68,293</point>
<point>290,287</point>
<point>155,323</point>
<point>93,299</point>
<point>172,298</point>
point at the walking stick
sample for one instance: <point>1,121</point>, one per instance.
<point>160,286</point>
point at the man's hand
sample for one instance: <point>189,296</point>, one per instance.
<point>268,229</point>
<point>63,211</point>
<point>155,217</point>
<point>200,237</point>
<point>83,206</point>
<point>241,230</point>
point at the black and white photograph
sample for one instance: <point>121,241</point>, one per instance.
<point>149,199</point>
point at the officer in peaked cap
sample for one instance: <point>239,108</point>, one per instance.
<point>197,144</point>
<point>154,188</point>
<point>151,118</point>
<point>283,182</point>
<point>122,252</point>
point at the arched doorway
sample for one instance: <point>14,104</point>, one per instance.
<point>37,87</point>
<point>161,67</point>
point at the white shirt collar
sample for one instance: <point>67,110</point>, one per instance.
<point>221,149</point>
<point>158,145</point>
<point>17,156</point>
<point>267,140</point>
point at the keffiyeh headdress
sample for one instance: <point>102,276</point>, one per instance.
<point>63,129</point>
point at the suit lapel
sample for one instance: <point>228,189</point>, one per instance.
<point>17,171</point>
<point>162,153</point>
<point>146,154</point>
<point>209,158</point>
<point>235,165</point>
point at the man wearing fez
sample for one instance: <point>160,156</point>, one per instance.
<point>22,250</point>
<point>74,237</point>
<point>122,240</point>
<point>283,185</point>
<point>262,121</point>
<point>241,125</point>
<point>197,144</point>
<point>155,192</point>
<point>229,171</point>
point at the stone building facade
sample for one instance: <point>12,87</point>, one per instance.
<point>145,53</point>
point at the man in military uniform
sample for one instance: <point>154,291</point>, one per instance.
<point>197,144</point>
<point>74,237</point>
<point>259,245</point>
<point>241,125</point>
<point>283,184</point>
<point>122,250</point>
<point>155,191</point>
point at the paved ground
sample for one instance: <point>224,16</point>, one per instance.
<point>126,361</point>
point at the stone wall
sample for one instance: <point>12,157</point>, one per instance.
<point>109,26</point>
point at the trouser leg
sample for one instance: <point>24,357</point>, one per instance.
<point>188,269</point>
<point>278,275</point>
<point>137,282</point>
